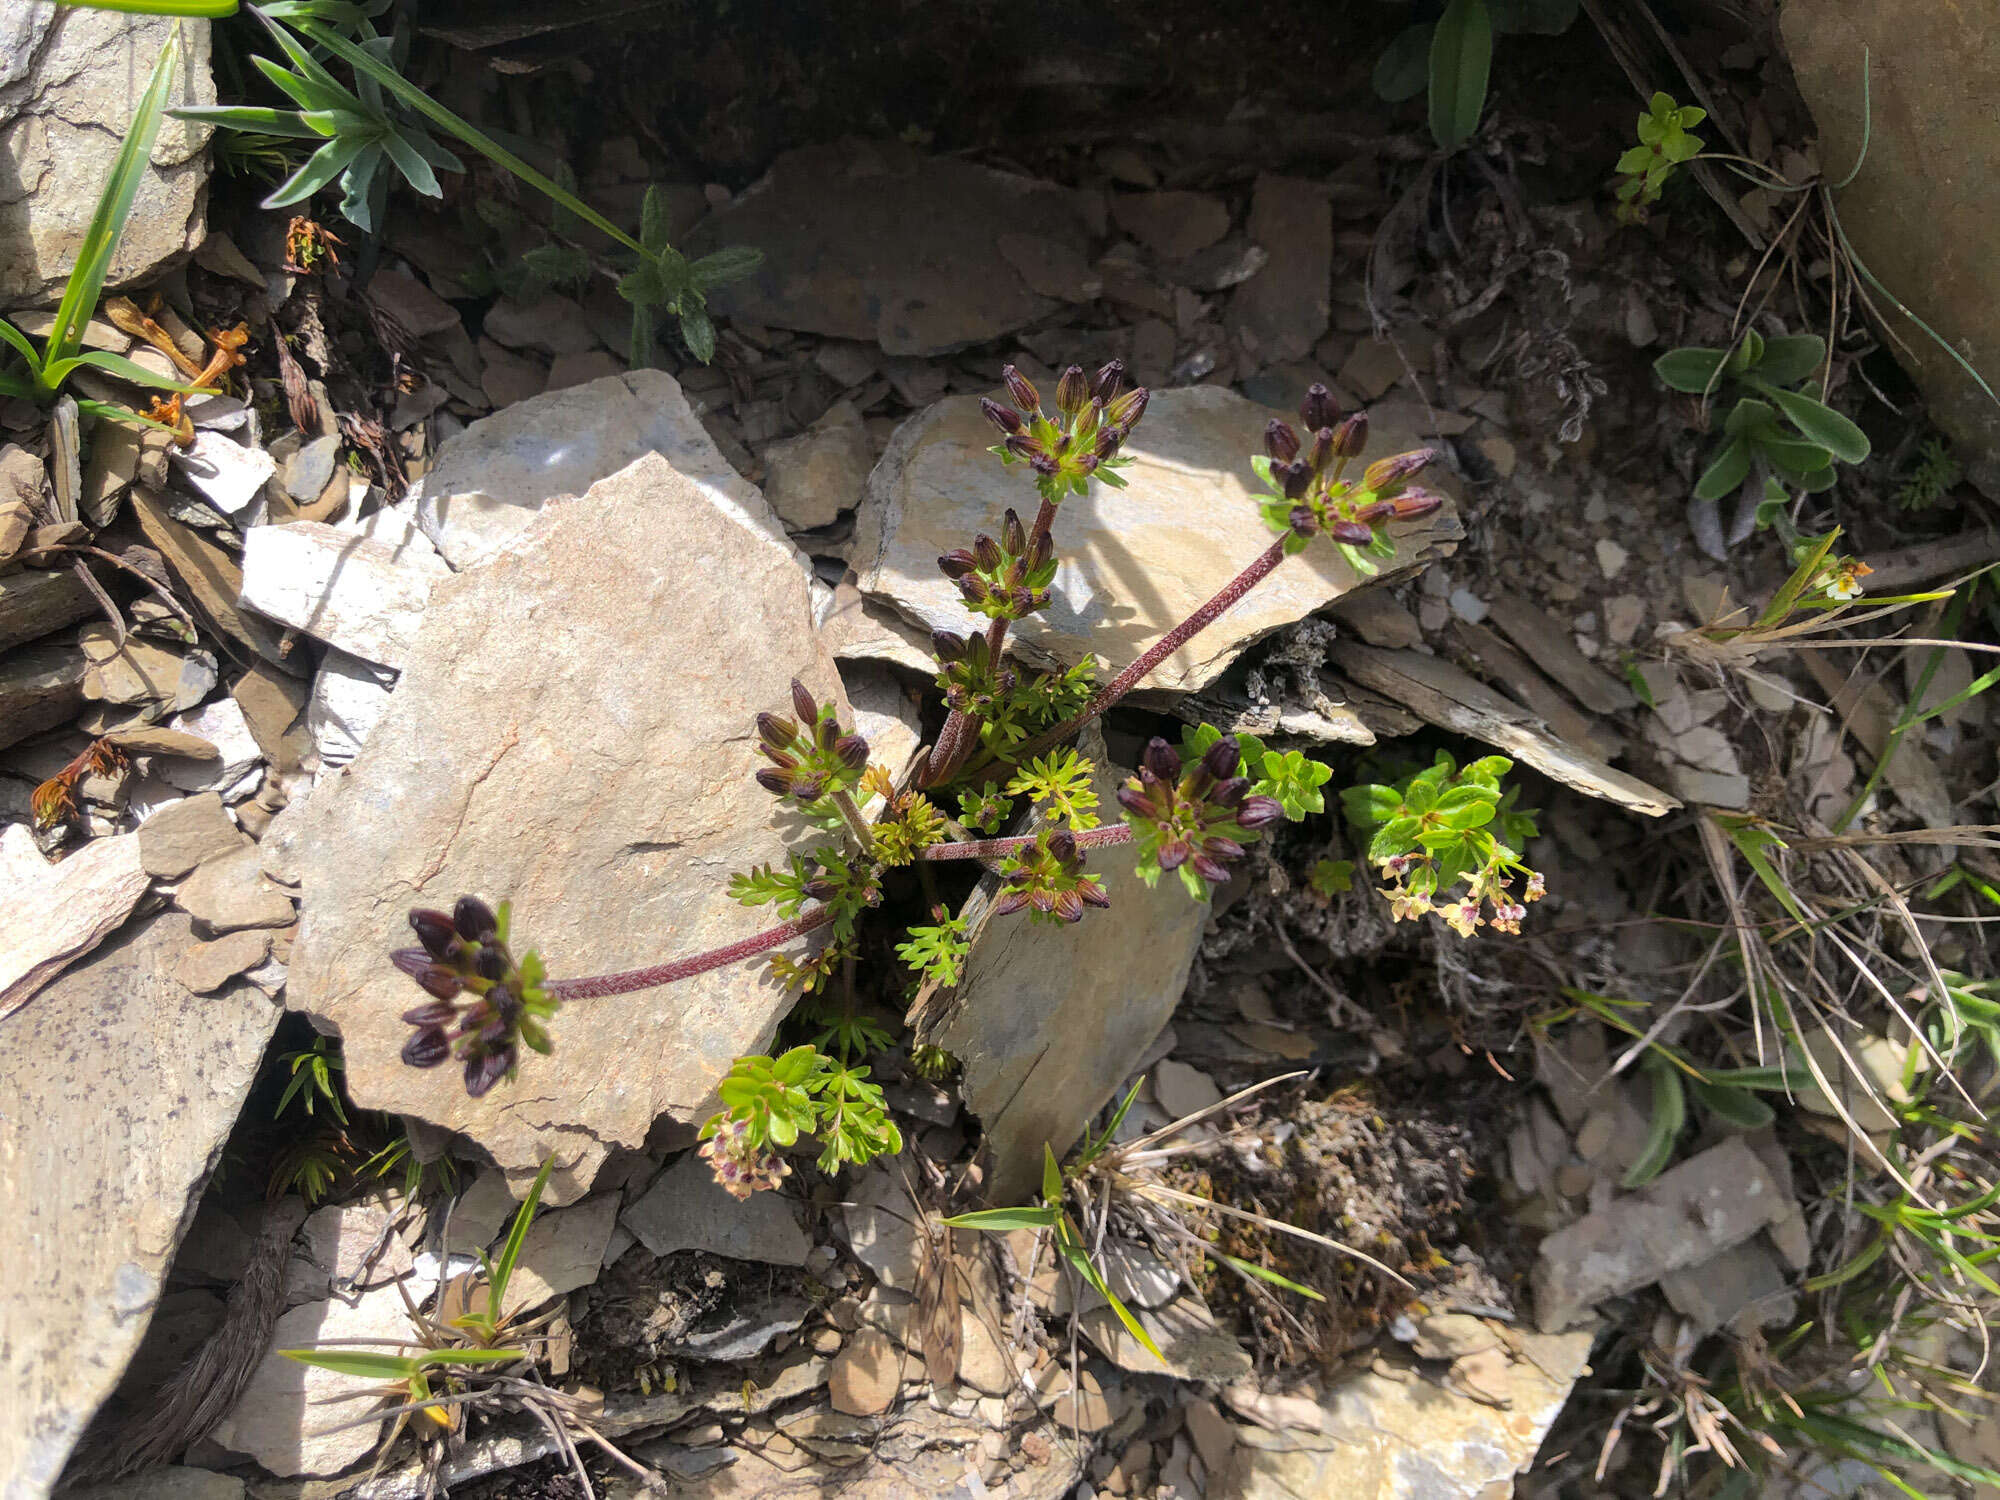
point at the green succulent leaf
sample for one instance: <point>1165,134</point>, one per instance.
<point>1461,55</point>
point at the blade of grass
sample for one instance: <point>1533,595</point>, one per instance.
<point>503,1268</point>
<point>114,207</point>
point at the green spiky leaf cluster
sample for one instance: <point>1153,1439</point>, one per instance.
<point>1060,786</point>
<point>804,1092</point>
<point>937,949</point>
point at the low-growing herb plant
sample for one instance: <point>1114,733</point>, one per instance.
<point>1452,56</point>
<point>1449,840</point>
<point>1005,752</point>
<point>1799,452</point>
<point>1665,142</point>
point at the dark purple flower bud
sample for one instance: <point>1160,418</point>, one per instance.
<point>490,964</point>
<point>1162,760</point>
<point>1134,800</point>
<point>1221,848</point>
<point>775,780</point>
<point>1072,391</point>
<point>1021,389</point>
<point>1005,418</point>
<point>1322,451</point>
<point>1319,409</point>
<point>1088,463</point>
<point>1220,760</point>
<point>820,888</point>
<point>974,590</point>
<point>1094,893</point>
<point>435,931</point>
<point>1209,869</point>
<point>1041,550</point>
<point>1297,478</point>
<point>1068,906</point>
<point>803,704</point>
<point>1387,475</point>
<point>427,1048</point>
<point>433,977</point>
<point>437,1013</point>
<point>1045,464</point>
<point>852,750</point>
<point>1301,519</point>
<point>1230,793</point>
<point>474,919</point>
<point>986,552</point>
<point>809,788</point>
<point>949,645</point>
<point>1414,503</point>
<point>483,1070</point>
<point>1108,442</point>
<point>1379,510</point>
<point>1023,446</point>
<point>505,1004</point>
<point>1259,812</point>
<point>1354,533</point>
<point>1063,846</point>
<point>1280,441</point>
<point>1013,535</point>
<point>1124,412</point>
<point>1108,381</point>
<point>1351,436</point>
<point>955,565</point>
<point>1174,853</point>
<point>776,732</point>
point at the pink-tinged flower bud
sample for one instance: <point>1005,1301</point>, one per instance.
<point>1354,533</point>
<point>1280,441</point>
<point>474,920</point>
<point>1063,846</point>
<point>1013,535</point>
<point>1072,391</point>
<point>484,1070</point>
<point>434,977</point>
<point>775,780</point>
<point>1209,869</point>
<point>852,750</point>
<point>1220,760</point>
<point>427,1048</point>
<point>1069,906</point>
<point>1162,760</point>
<point>434,929</point>
<point>1108,381</point>
<point>1009,901</point>
<point>1259,812</point>
<point>1088,463</point>
<point>1387,475</point>
<point>1124,411</point>
<point>1414,503</point>
<point>1319,409</point>
<point>1221,848</point>
<point>1094,894</point>
<point>1021,389</point>
<point>1351,436</point>
<point>1174,853</point>
<point>803,704</point>
<point>1005,418</point>
<point>1379,510</point>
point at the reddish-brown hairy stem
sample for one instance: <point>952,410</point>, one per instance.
<point>597,986</point>
<point>1159,651</point>
<point>1090,838</point>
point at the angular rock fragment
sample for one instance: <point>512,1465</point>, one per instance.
<point>872,240</point>
<point>686,1209</point>
<point>1280,313</point>
<point>1133,563</point>
<point>179,837</point>
<point>121,1089</point>
<point>230,893</point>
<point>34,602</point>
<point>347,590</point>
<point>572,732</point>
<point>57,913</point>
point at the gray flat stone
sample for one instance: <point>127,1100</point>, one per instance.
<point>230,893</point>
<point>183,834</point>
<point>121,1089</point>
<point>685,1209</point>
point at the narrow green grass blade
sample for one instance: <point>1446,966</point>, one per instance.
<point>1245,1268</point>
<point>114,207</point>
<point>285,122</point>
<point>211,9</point>
<point>124,369</point>
<point>359,1362</point>
<point>503,1268</point>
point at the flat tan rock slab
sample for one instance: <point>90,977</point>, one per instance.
<point>55,913</point>
<point>1133,563</point>
<point>572,731</point>
<point>120,1091</point>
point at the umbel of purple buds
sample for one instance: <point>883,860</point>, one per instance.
<point>1048,880</point>
<point>811,756</point>
<point>1079,437</point>
<point>1005,579</point>
<point>483,1007</point>
<point>1308,474</point>
<point>1190,816</point>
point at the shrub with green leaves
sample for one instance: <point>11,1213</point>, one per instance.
<point>1028,795</point>
<point>1768,373</point>
<point>1449,840</point>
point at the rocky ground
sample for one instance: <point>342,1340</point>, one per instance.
<point>444,597</point>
